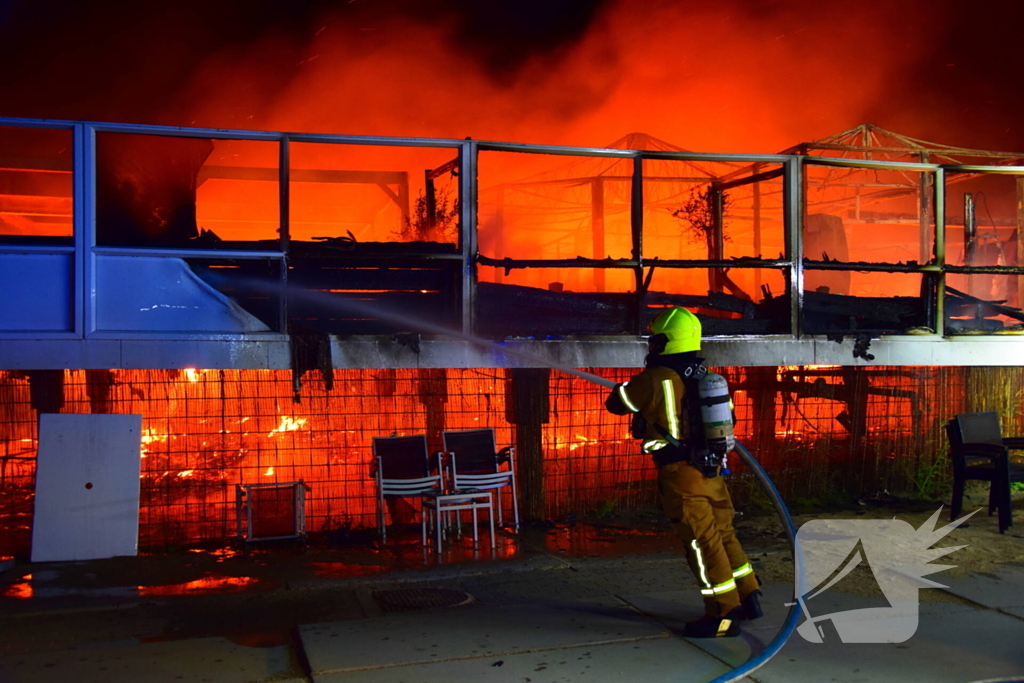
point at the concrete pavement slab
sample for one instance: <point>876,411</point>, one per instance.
<point>424,637</point>
<point>675,608</point>
<point>961,644</point>
<point>1015,611</point>
<point>659,660</point>
<point>199,659</point>
<point>953,642</point>
<point>1001,589</point>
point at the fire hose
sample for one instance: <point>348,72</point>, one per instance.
<point>793,617</point>
<point>762,477</point>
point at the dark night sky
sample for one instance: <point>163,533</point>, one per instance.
<point>783,72</point>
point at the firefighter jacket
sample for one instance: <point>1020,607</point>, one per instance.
<point>657,394</point>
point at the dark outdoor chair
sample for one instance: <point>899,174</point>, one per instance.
<point>979,451</point>
<point>403,468</point>
<point>477,464</point>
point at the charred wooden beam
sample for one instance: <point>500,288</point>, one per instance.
<point>737,262</point>
<point>908,267</point>
<point>527,406</point>
<point>509,264</point>
<point>581,262</point>
<point>958,302</point>
<point>882,308</point>
<point>864,266</point>
<point>447,167</point>
<point>991,270</point>
<point>750,179</point>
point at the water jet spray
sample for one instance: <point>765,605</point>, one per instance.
<point>411,323</point>
<point>419,325</point>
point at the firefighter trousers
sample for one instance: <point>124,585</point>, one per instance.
<point>701,511</point>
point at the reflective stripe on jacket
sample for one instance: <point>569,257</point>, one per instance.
<point>657,394</point>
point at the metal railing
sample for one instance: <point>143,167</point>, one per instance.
<point>794,177</point>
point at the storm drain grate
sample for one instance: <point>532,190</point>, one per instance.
<point>406,599</point>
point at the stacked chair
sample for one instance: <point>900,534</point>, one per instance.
<point>404,468</point>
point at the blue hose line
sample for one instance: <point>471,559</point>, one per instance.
<point>783,635</point>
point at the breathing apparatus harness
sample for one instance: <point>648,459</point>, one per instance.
<point>709,409</point>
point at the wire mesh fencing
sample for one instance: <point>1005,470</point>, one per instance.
<point>824,433</point>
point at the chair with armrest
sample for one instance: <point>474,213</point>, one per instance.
<point>979,451</point>
<point>476,463</point>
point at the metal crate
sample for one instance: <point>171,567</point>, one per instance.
<point>268,512</point>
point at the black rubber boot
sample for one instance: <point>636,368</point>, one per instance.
<point>714,627</point>
<point>752,605</point>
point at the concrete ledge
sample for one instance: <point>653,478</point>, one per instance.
<point>384,352</point>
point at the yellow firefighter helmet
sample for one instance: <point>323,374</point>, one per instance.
<point>680,327</point>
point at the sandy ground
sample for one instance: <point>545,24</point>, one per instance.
<point>984,547</point>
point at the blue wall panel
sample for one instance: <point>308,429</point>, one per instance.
<point>162,294</point>
<point>36,292</point>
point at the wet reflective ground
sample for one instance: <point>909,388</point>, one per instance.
<point>259,595</point>
<point>269,565</point>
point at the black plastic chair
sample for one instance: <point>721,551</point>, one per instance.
<point>979,451</point>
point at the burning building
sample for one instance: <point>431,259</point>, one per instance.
<point>269,302</point>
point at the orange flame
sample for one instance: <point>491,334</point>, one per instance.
<point>288,424</point>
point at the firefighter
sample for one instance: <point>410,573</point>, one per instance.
<point>666,416</point>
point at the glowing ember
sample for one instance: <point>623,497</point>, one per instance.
<point>150,436</point>
<point>581,441</point>
<point>289,424</point>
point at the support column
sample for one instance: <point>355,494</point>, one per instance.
<point>856,385</point>
<point>527,406</point>
<point>762,385</point>
<point>717,244</point>
<point>757,232</point>
<point>597,229</point>
<point>1020,241</point>
<point>432,392</point>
